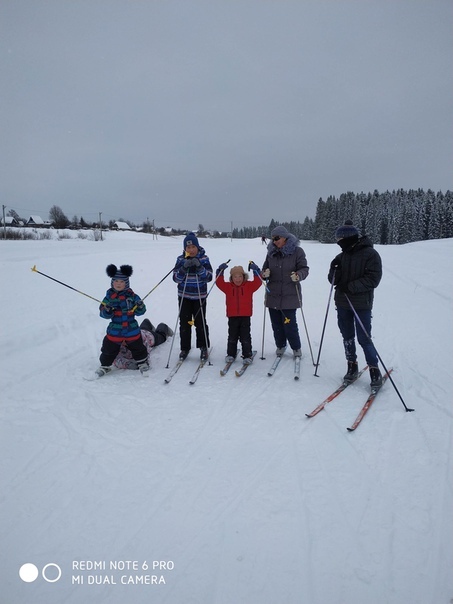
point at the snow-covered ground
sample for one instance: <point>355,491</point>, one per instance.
<point>224,487</point>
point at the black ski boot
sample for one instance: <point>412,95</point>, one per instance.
<point>165,330</point>
<point>352,372</point>
<point>203,354</point>
<point>376,378</point>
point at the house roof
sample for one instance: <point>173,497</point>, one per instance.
<point>122,225</point>
<point>35,220</point>
<point>9,220</point>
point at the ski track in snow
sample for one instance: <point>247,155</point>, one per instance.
<point>254,502</point>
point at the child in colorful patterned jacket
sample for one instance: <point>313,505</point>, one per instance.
<point>120,306</point>
<point>239,308</point>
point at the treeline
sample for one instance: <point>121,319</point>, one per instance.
<point>387,218</point>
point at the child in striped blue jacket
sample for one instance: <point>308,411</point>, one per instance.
<point>192,273</point>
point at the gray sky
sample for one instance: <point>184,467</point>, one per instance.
<point>220,111</point>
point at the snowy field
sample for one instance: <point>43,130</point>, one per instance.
<point>222,492</point>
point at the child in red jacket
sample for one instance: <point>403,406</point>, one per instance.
<point>239,308</point>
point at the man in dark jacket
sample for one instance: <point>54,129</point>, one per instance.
<point>356,272</point>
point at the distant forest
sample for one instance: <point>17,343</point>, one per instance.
<point>387,218</point>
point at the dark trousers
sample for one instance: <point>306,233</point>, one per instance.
<point>110,350</point>
<point>349,326</point>
<point>193,311</point>
<point>239,330</point>
<point>159,337</point>
<point>285,328</point>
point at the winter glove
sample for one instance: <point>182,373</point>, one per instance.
<point>140,304</point>
<point>295,277</point>
<point>266,273</point>
<point>108,310</point>
<point>222,267</point>
<point>334,275</point>
<point>191,263</point>
<point>343,288</point>
<point>254,267</point>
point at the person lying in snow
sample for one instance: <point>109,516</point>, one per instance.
<point>151,336</point>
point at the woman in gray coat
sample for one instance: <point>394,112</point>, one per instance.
<point>285,266</point>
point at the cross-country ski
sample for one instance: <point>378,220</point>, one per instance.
<point>334,394</point>
<point>245,364</point>
<point>369,402</point>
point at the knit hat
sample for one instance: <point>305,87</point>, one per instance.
<point>345,231</point>
<point>238,270</point>
<point>190,239</point>
<point>280,231</point>
<point>123,273</point>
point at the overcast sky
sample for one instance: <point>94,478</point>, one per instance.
<point>221,111</point>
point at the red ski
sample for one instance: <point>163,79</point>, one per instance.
<point>334,394</point>
<point>369,401</point>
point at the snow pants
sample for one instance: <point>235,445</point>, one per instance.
<point>239,330</point>
<point>349,326</point>
<point>110,350</point>
<point>192,310</point>
<point>284,330</point>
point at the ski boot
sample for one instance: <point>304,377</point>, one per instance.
<point>103,370</point>
<point>352,372</point>
<point>165,330</point>
<point>376,378</point>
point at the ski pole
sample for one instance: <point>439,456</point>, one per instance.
<point>266,291</point>
<point>266,287</point>
<point>176,324</point>
<point>203,318</point>
<point>259,275</point>
<point>35,270</point>
<point>210,289</point>
<point>216,277</point>
<point>305,324</point>
<point>325,322</point>
<point>156,286</point>
<point>264,327</point>
<point>377,353</point>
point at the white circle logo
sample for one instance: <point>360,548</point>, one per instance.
<point>50,573</point>
<point>54,579</point>
<point>28,573</point>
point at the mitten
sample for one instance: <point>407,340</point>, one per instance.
<point>266,273</point>
<point>191,262</point>
<point>295,277</point>
<point>254,267</point>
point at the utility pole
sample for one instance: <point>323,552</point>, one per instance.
<point>100,223</point>
<point>4,222</point>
